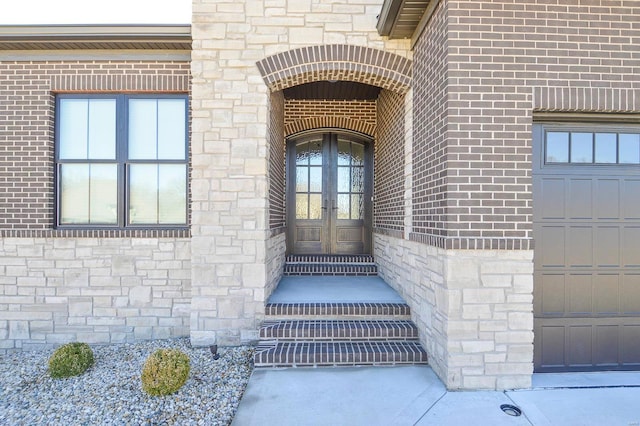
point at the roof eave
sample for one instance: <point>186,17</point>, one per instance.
<point>35,37</point>
<point>402,19</point>
<point>388,16</point>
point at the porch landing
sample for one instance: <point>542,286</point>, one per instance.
<point>334,289</point>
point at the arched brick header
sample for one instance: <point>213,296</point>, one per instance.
<point>329,122</point>
<point>336,62</point>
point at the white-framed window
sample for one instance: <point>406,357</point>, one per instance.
<point>121,161</point>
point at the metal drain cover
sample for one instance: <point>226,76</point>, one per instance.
<point>511,410</point>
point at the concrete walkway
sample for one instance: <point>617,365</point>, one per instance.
<point>414,395</point>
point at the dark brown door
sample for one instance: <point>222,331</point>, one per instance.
<point>586,195</point>
<point>329,195</point>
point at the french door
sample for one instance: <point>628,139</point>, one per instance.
<point>329,205</point>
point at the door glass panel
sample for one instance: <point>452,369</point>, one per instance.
<point>343,179</point>
<point>315,206</point>
<point>581,147</point>
<point>315,179</point>
<point>302,154</point>
<point>302,179</point>
<point>302,206</point>
<point>343,206</point>
<point>356,206</point>
<point>357,179</point>
<point>357,154</point>
<point>344,153</point>
<point>309,180</point>
<point>315,153</point>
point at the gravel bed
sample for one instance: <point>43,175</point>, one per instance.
<point>110,392</point>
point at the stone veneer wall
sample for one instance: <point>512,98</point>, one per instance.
<point>232,243</point>
<point>97,286</point>
<point>473,308</point>
<point>95,290</point>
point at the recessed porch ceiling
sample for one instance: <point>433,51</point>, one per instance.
<point>400,18</point>
<point>338,90</point>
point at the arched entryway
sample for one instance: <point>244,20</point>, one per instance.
<point>330,184</point>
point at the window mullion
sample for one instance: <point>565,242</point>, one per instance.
<point>121,158</point>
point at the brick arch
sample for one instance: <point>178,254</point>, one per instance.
<point>346,123</point>
<point>337,62</point>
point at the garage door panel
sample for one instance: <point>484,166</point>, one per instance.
<point>579,247</point>
<point>580,346</point>
<point>580,204</point>
<point>631,199</point>
<point>607,345</point>
<point>606,294</point>
<point>631,345</point>
<point>630,246</point>
<point>580,295</point>
<point>552,245</point>
<point>551,346</point>
<point>630,297</point>
<point>553,198</point>
<point>550,294</point>
<point>607,246</point>
<point>608,199</point>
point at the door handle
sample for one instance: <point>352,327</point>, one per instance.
<point>324,205</point>
<point>333,205</point>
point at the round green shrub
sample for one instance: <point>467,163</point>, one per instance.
<point>165,371</point>
<point>71,359</point>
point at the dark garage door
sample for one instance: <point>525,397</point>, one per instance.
<point>586,187</point>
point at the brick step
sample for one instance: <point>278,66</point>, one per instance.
<point>330,258</point>
<point>316,330</point>
<point>330,265</point>
<point>319,354</point>
<point>337,311</point>
<point>330,269</point>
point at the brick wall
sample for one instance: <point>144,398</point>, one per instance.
<point>27,90</point>
<point>312,114</point>
<point>502,59</point>
<point>277,184</point>
<point>430,130</point>
<point>389,181</point>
